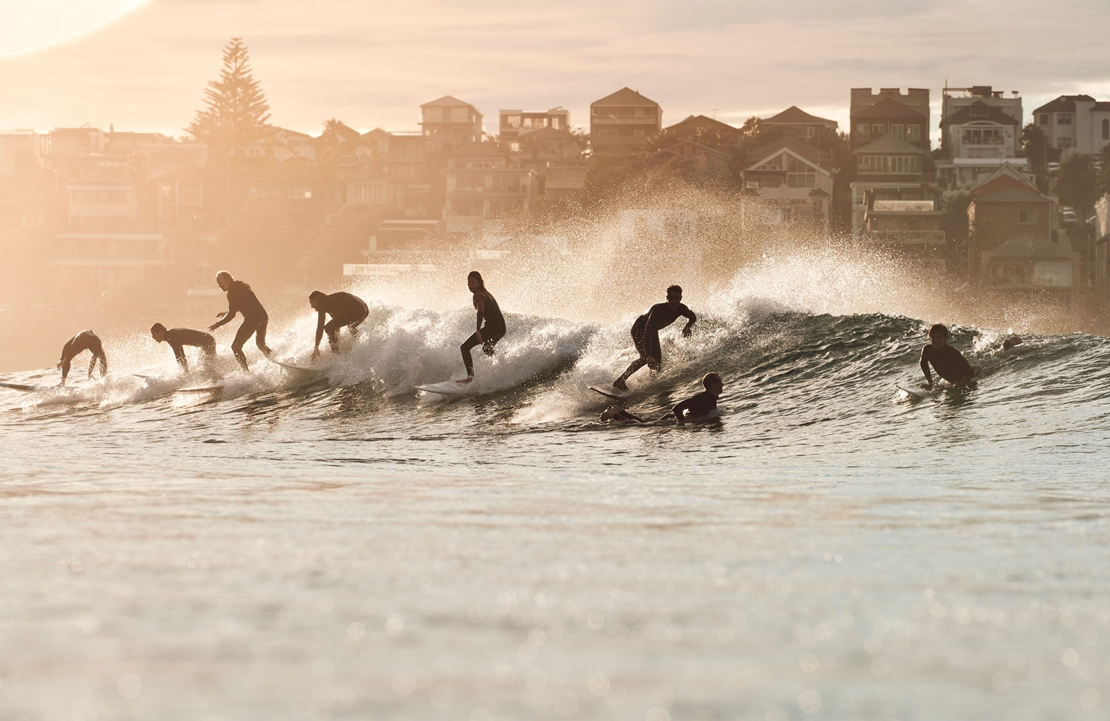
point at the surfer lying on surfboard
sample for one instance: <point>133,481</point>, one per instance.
<point>696,406</point>
<point>948,362</point>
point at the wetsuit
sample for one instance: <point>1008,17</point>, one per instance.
<point>492,330</point>
<point>86,340</point>
<point>645,334</point>
<point>345,310</point>
<point>180,337</point>
<point>695,406</point>
<point>241,299</point>
<point>948,362</point>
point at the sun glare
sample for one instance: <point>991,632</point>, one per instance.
<point>34,25</point>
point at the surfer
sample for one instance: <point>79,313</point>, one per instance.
<point>948,362</point>
<point>180,337</point>
<point>86,340</point>
<point>703,403</point>
<point>241,299</point>
<point>645,333</point>
<point>345,310</point>
<point>486,334</point>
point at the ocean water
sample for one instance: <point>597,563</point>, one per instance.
<point>337,546</point>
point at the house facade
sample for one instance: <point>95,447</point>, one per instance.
<point>1074,124</point>
<point>800,124</point>
<point>484,184</point>
<point>514,123</point>
<point>623,123</point>
<point>793,186</point>
<point>449,123</point>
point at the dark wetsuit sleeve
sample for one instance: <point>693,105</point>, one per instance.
<point>684,311</point>
<point>319,328</point>
<point>925,356</point>
<point>178,353</point>
<point>232,309</point>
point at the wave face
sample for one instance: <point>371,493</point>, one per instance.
<point>337,545</point>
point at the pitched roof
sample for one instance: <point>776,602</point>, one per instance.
<point>1011,194</point>
<point>701,121</point>
<point>448,101</point>
<point>1065,103</point>
<point>796,116</point>
<point>803,151</point>
<point>964,115</point>
<point>888,108</point>
<point>625,97</point>
<point>999,182</point>
<point>890,144</point>
<point>1031,248</point>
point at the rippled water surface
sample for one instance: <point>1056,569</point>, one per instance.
<point>336,547</point>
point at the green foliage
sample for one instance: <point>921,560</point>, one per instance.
<point>1076,184</point>
<point>341,239</point>
<point>955,222</point>
<point>235,107</point>
<point>1034,146</point>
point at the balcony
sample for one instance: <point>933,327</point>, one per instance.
<point>908,237</point>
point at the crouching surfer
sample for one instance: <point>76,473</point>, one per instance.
<point>86,340</point>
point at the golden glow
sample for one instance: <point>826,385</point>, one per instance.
<point>33,25</point>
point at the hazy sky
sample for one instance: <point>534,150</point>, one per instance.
<point>371,63</point>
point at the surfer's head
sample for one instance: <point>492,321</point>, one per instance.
<point>474,281</point>
<point>158,332</point>
<point>713,383</point>
<point>938,335</point>
<point>674,294</point>
<point>314,299</point>
<point>223,279</point>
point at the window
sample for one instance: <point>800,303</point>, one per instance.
<point>898,131</point>
<point>1106,129</point>
<point>913,132</point>
<point>1044,118</point>
<point>1027,217</point>
<point>863,130</point>
<point>878,130</point>
<point>1063,118</point>
<point>979,111</point>
<point>1063,142</point>
<point>982,136</point>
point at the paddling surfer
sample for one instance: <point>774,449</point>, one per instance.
<point>490,323</point>
<point>645,333</point>
<point>86,340</point>
<point>702,404</point>
<point>948,362</point>
<point>178,338</point>
<point>345,309</point>
<point>241,299</point>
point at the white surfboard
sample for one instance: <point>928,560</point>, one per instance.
<point>609,391</point>
<point>446,388</point>
<point>294,367</point>
<point>202,389</point>
<point>23,387</point>
<point>917,393</point>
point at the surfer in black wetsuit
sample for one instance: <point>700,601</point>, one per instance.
<point>86,340</point>
<point>701,404</point>
<point>948,362</point>
<point>486,334</point>
<point>345,310</point>
<point>178,338</point>
<point>241,299</point>
<point>645,333</point>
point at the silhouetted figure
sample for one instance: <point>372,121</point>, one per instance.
<point>491,324</point>
<point>645,333</point>
<point>345,309</point>
<point>86,340</point>
<point>701,404</point>
<point>178,338</point>
<point>241,299</point>
<point>948,362</point>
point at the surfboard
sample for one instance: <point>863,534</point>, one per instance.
<point>446,388</point>
<point>22,387</point>
<point>294,366</point>
<point>917,393</point>
<point>609,391</point>
<point>203,389</point>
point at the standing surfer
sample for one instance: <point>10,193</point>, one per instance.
<point>645,333</point>
<point>86,340</point>
<point>241,299</point>
<point>180,337</point>
<point>486,334</point>
<point>345,309</point>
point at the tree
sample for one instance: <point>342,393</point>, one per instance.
<point>235,107</point>
<point>1034,146</point>
<point>1076,184</point>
